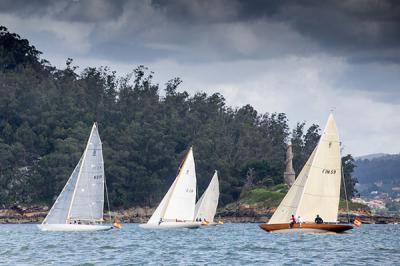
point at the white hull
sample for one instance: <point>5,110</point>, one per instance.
<point>171,225</point>
<point>74,227</point>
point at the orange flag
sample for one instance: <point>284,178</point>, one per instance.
<point>357,222</point>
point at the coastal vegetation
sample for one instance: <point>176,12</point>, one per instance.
<point>46,114</point>
<point>264,197</point>
<point>268,199</point>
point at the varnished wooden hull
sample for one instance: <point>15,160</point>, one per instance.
<point>338,228</point>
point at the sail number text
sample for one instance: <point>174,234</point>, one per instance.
<point>329,171</point>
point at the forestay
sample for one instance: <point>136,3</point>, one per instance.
<point>317,188</point>
<point>207,205</point>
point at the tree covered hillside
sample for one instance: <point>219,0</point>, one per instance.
<point>46,115</point>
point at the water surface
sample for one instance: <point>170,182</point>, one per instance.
<point>229,244</point>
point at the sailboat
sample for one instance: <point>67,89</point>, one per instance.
<point>176,209</point>
<point>206,206</point>
<point>79,207</point>
<point>316,191</point>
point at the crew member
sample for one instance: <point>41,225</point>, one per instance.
<point>292,221</point>
<point>299,221</point>
<point>318,220</point>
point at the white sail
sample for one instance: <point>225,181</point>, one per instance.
<point>183,196</point>
<point>59,212</point>
<point>290,202</point>
<point>207,205</point>
<point>317,188</point>
<point>88,198</point>
<point>179,202</point>
<point>155,218</point>
<point>322,191</point>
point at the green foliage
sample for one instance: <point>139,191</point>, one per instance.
<point>350,181</point>
<point>15,51</point>
<point>303,144</point>
<point>263,197</point>
<point>46,115</point>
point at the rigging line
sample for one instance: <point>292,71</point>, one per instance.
<point>197,192</point>
<point>345,194</point>
<point>108,201</point>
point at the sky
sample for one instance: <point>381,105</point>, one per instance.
<point>303,58</point>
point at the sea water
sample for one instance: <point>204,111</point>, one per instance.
<point>228,244</point>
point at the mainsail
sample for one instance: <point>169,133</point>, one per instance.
<point>179,202</point>
<point>207,205</point>
<point>317,188</point>
<point>83,196</point>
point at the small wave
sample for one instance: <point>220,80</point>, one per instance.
<point>108,247</point>
<point>24,248</point>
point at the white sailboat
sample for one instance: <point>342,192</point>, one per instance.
<point>316,191</point>
<point>176,209</point>
<point>206,206</point>
<point>79,207</point>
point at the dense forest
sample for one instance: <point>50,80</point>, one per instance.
<point>46,115</point>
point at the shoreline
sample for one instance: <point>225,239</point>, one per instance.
<point>35,215</point>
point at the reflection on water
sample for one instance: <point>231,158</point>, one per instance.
<point>229,244</point>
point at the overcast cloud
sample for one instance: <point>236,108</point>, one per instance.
<point>298,57</point>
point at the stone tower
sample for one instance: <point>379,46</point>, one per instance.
<point>289,174</point>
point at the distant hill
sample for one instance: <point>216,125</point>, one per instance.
<point>378,173</point>
<point>371,156</point>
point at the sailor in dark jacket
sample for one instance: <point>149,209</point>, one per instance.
<point>318,220</point>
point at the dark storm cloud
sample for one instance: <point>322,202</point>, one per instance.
<point>92,10</point>
<point>25,8</point>
<point>69,10</point>
<point>361,31</point>
<point>271,54</point>
<point>218,10</point>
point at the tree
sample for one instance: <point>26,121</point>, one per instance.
<point>350,181</point>
<point>303,144</point>
<point>16,51</point>
<point>46,115</point>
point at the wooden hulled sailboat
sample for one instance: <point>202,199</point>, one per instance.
<point>316,190</point>
<point>79,207</point>
<point>206,206</point>
<point>176,209</point>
